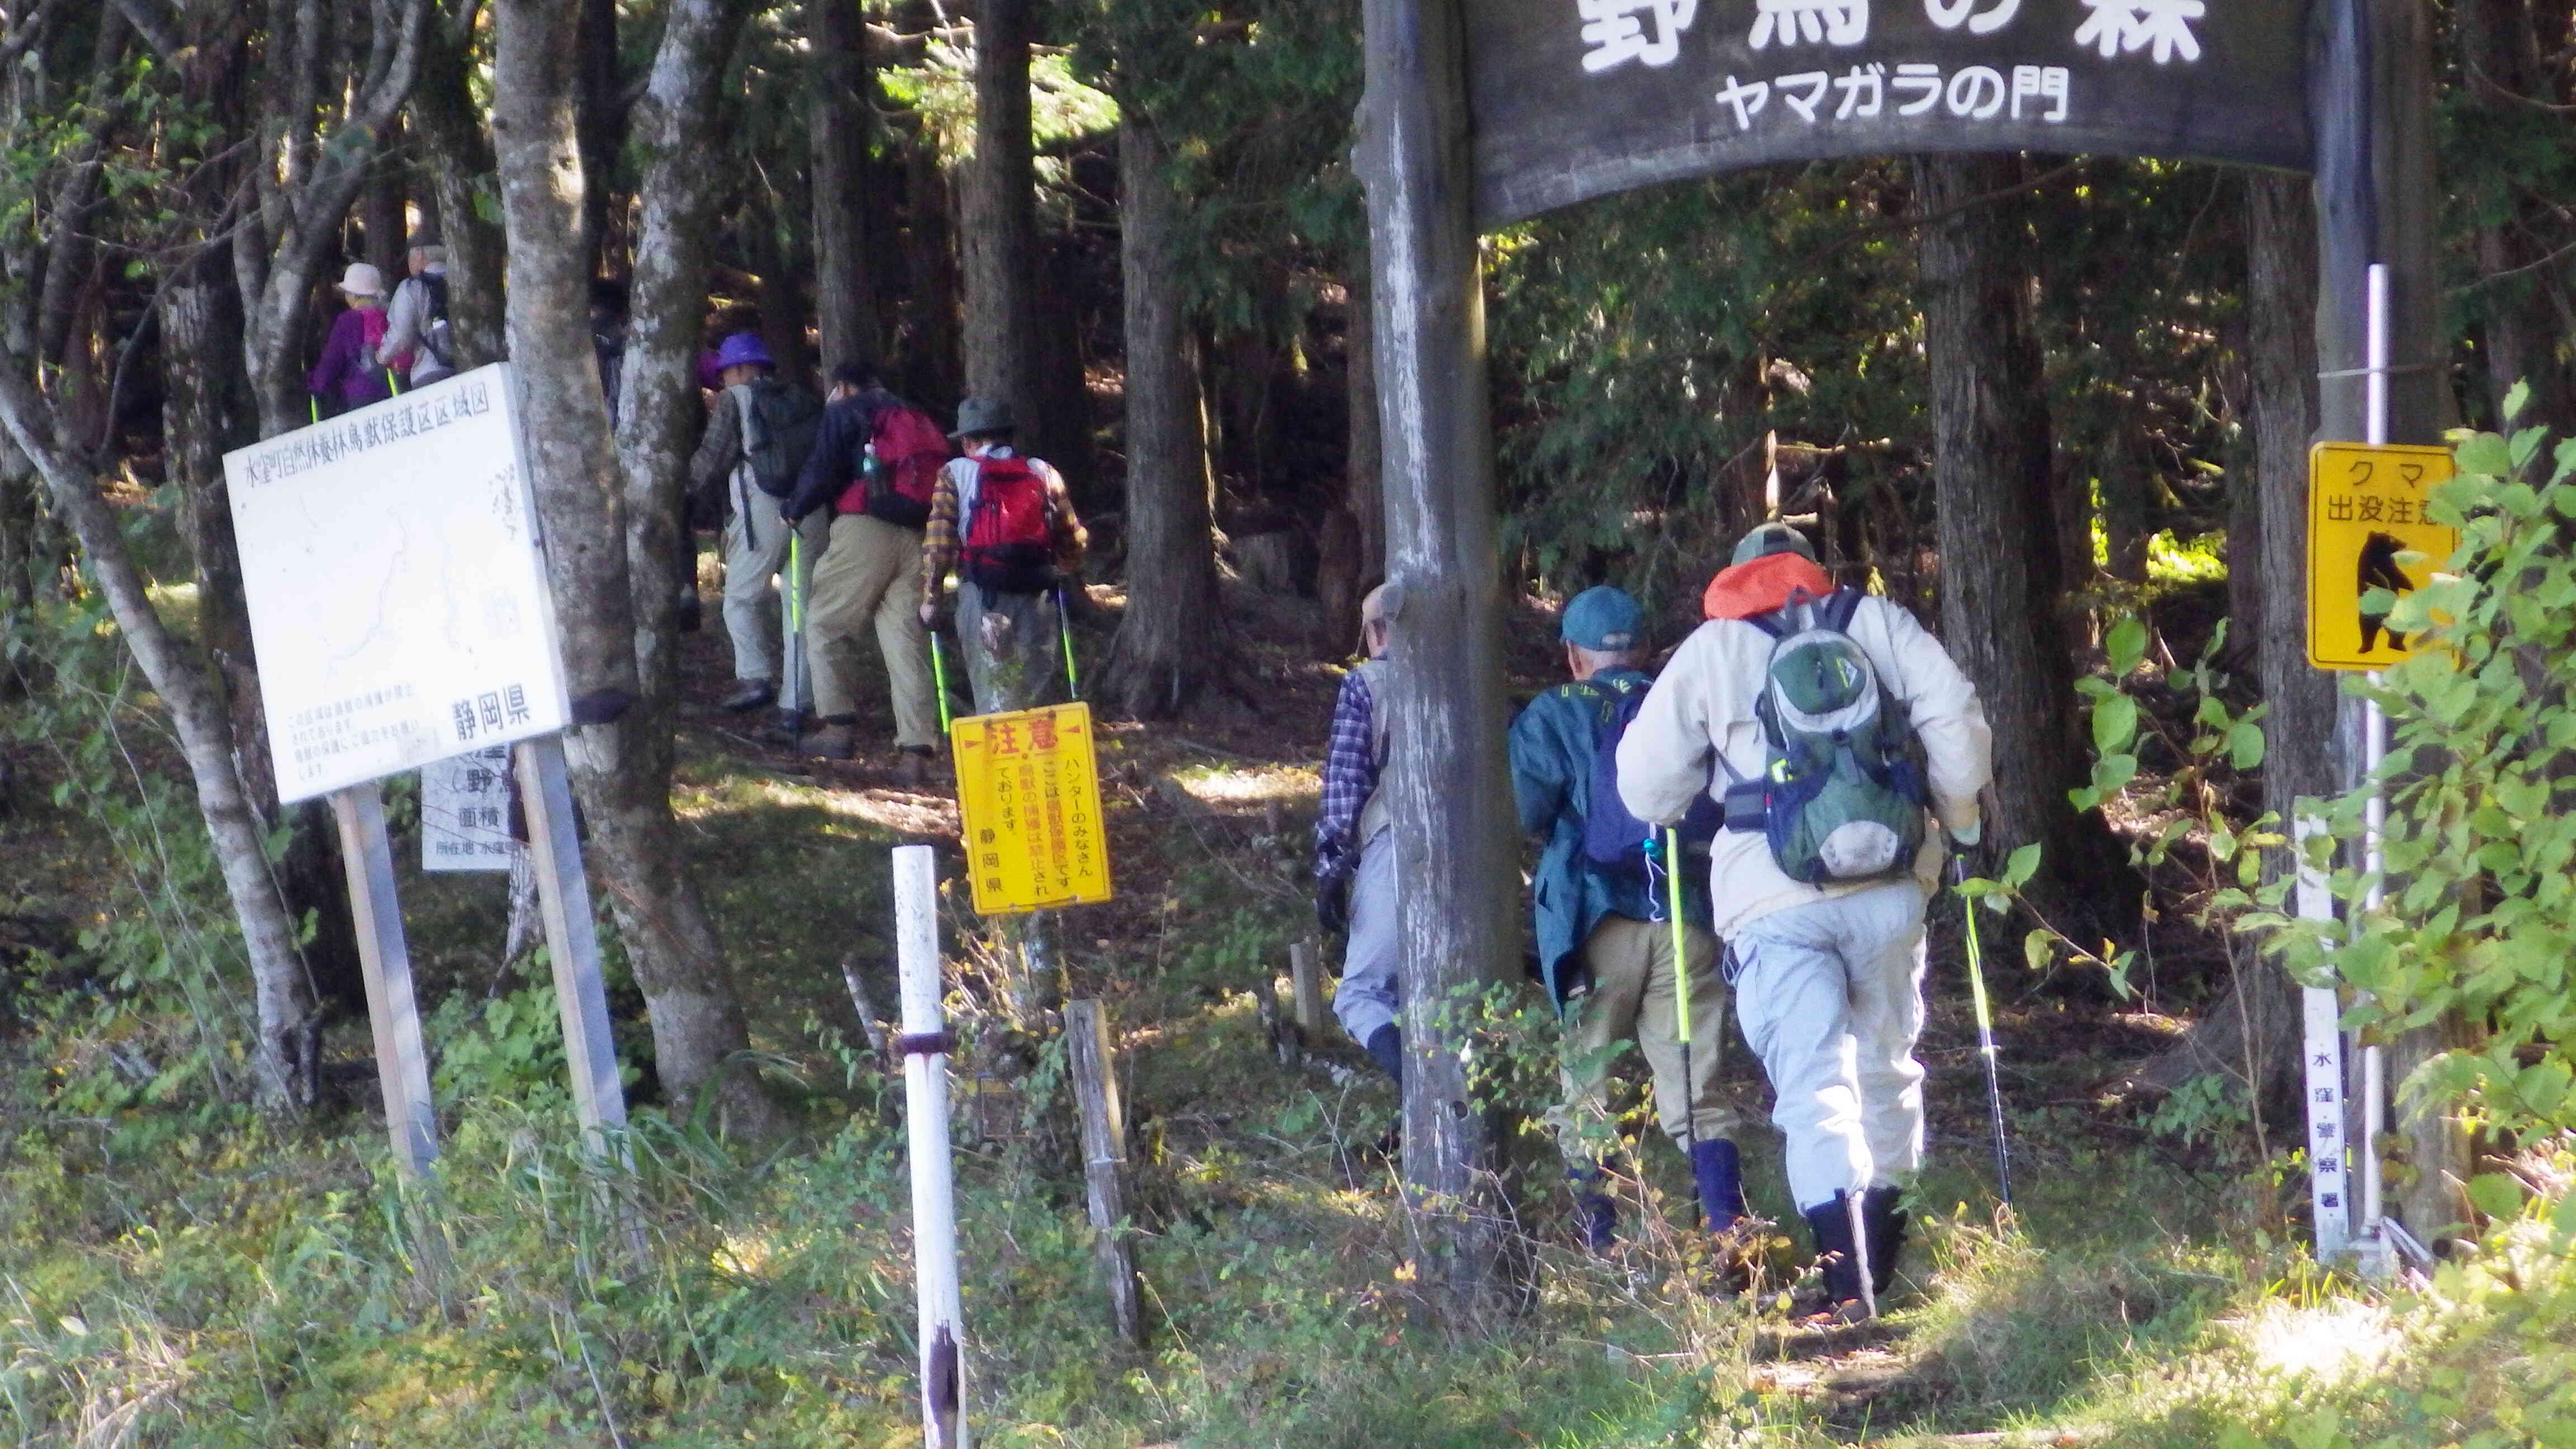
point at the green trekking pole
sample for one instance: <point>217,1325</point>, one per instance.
<point>1681,987</point>
<point>939,677</point>
<point>793,683</point>
<point>1985,1039</point>
<point>1064,631</point>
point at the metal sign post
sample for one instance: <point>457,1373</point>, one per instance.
<point>924,1045</point>
<point>402,1063</point>
<point>572,941</point>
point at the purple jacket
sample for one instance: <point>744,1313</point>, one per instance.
<point>348,373</point>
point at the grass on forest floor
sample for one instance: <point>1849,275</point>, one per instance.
<point>173,1274</point>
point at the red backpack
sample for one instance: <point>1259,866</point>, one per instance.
<point>1008,548</point>
<point>908,452</point>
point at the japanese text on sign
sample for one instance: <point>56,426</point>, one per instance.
<point>465,812</point>
<point>1570,99</point>
<point>1028,789</point>
<point>2366,512</point>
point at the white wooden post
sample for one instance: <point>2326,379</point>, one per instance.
<point>572,940</point>
<point>924,1045</point>
<point>393,1013</point>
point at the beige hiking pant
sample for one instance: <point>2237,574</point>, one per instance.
<point>871,574</point>
<point>1633,999</point>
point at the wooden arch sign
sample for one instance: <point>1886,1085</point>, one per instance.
<point>1571,99</point>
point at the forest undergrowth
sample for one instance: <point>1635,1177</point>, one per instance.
<point>176,1270</point>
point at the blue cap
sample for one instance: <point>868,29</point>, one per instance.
<point>1604,618</point>
<point>744,349</point>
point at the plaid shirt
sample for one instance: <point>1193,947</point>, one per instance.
<point>1350,772</point>
<point>939,539</point>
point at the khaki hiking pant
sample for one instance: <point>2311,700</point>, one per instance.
<point>755,553</point>
<point>870,576</point>
<point>1012,649</point>
<point>1633,998</point>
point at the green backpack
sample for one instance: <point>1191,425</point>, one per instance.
<point>1843,796</point>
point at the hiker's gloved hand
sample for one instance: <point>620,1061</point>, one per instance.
<point>1333,894</point>
<point>1967,836</point>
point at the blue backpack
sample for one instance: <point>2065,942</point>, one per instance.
<point>1614,841</point>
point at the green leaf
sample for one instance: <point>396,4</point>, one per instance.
<point>2496,1194</point>
<point>2035,949</point>
<point>2484,453</point>
<point>2516,398</point>
<point>2245,744</point>
<point>2021,866</point>
<point>2115,724</point>
<point>2126,645</point>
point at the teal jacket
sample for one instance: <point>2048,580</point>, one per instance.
<point>1553,744</point>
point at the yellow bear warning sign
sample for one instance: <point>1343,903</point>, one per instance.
<point>1028,788</point>
<point>2365,508</point>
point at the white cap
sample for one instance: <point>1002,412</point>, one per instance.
<point>362,280</point>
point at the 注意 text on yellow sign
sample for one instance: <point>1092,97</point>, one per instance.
<point>1028,787</point>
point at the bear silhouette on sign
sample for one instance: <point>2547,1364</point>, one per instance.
<point>2379,570</point>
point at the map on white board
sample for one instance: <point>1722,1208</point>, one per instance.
<point>398,600</point>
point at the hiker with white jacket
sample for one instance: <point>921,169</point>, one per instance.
<point>1830,722</point>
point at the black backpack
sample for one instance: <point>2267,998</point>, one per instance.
<point>435,334</point>
<point>1614,841</point>
<point>777,432</point>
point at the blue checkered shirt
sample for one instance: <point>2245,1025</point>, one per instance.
<point>1350,773</point>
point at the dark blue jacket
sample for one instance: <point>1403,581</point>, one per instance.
<point>1552,745</point>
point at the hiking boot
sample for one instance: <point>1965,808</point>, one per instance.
<point>1882,1225</point>
<point>832,742</point>
<point>1385,1047</point>
<point>1837,1255</point>
<point>1596,1217</point>
<point>915,765</point>
<point>1720,1177</point>
<point>748,695</point>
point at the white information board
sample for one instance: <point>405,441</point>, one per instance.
<point>397,597</point>
<point>465,812</point>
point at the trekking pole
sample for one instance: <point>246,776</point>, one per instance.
<point>1682,995</point>
<point>939,677</point>
<point>792,678</point>
<point>1985,1039</point>
<point>1064,631</point>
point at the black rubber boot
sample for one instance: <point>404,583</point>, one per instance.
<point>1832,1226</point>
<point>1883,1226</point>
<point>1595,1215</point>
<point>1385,1047</point>
<point>1721,1183</point>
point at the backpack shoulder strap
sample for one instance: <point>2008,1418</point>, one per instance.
<point>1839,609</point>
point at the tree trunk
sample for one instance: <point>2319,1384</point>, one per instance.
<point>844,299</point>
<point>1454,834</point>
<point>206,412</point>
<point>459,154</point>
<point>933,370</point>
<point>282,1051</point>
<point>1171,640</point>
<point>380,211</point>
<point>601,563</point>
<point>998,223</point>
<point>602,125</point>
<point>2502,75</point>
<point>2000,585</point>
<point>1364,467</point>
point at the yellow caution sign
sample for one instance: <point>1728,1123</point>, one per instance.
<point>2365,507</point>
<point>1028,785</point>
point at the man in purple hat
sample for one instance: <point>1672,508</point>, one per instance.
<point>757,437</point>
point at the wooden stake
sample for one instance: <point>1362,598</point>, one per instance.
<point>1308,979</point>
<point>924,1045</point>
<point>1104,1158</point>
<point>402,1064</point>
<point>572,940</point>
